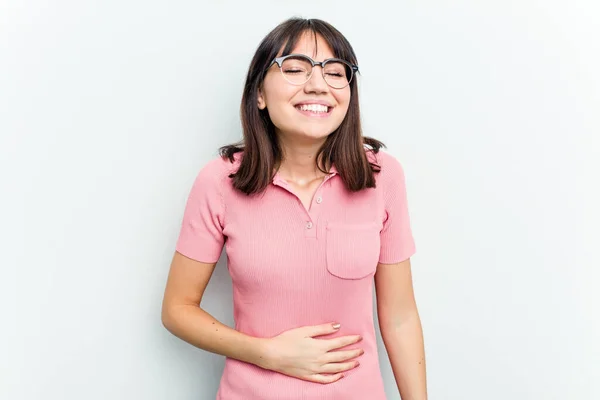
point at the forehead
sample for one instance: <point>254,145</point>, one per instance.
<point>312,45</point>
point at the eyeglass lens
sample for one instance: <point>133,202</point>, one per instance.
<point>297,71</point>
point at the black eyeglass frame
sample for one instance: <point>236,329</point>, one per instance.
<point>279,61</point>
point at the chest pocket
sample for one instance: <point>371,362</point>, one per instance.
<point>352,249</point>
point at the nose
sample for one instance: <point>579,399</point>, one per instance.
<point>316,83</point>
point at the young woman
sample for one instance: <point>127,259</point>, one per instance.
<point>310,213</point>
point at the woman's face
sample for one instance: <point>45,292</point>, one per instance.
<point>284,101</point>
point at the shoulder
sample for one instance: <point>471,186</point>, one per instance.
<point>221,166</point>
<point>391,167</point>
<point>215,172</point>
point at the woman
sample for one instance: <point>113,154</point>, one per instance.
<point>310,212</point>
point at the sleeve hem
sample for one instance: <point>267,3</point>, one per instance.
<point>196,255</point>
<point>397,258</point>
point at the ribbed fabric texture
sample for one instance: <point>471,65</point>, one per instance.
<point>291,267</point>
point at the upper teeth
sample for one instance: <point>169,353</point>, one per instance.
<point>313,107</point>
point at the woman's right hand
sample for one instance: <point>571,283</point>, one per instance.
<point>297,353</point>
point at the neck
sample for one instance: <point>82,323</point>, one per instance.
<point>299,163</point>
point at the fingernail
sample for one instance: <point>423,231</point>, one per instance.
<point>336,326</point>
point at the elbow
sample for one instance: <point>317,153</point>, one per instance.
<point>387,328</point>
<point>398,321</point>
<point>166,317</point>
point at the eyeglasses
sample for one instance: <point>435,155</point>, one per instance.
<point>297,70</point>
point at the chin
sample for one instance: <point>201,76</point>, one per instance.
<point>316,132</point>
<point>310,132</point>
<point>315,135</point>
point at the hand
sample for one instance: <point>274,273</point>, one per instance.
<point>296,353</point>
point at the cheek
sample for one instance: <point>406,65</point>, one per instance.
<point>342,97</point>
<point>278,104</point>
<point>278,110</point>
<point>343,100</point>
<point>275,95</point>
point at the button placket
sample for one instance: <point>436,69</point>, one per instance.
<point>310,227</point>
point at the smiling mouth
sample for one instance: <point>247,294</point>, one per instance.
<point>315,109</point>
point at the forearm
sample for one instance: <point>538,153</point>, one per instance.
<point>197,327</point>
<point>405,348</point>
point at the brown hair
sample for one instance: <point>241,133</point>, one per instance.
<point>262,153</point>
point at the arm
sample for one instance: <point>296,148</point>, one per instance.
<point>400,328</point>
<point>183,317</point>
<point>294,352</point>
<point>199,246</point>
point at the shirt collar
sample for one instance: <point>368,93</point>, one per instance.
<point>332,172</point>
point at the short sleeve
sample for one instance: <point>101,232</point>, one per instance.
<point>201,236</point>
<point>397,242</point>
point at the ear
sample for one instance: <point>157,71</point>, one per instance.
<point>261,100</point>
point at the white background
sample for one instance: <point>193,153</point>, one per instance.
<point>109,108</point>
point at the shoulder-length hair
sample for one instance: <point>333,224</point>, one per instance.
<point>345,147</point>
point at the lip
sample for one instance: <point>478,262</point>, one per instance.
<point>321,102</point>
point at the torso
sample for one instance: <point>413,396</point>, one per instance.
<point>299,254</point>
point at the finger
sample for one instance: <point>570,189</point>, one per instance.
<point>342,355</point>
<point>319,378</point>
<point>323,329</point>
<point>343,341</point>
<point>333,368</point>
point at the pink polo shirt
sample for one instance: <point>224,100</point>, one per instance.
<point>291,267</point>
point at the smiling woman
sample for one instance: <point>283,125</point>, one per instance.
<point>310,212</point>
<point>285,103</point>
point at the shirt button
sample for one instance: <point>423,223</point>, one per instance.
<point>319,200</point>
<point>309,225</point>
